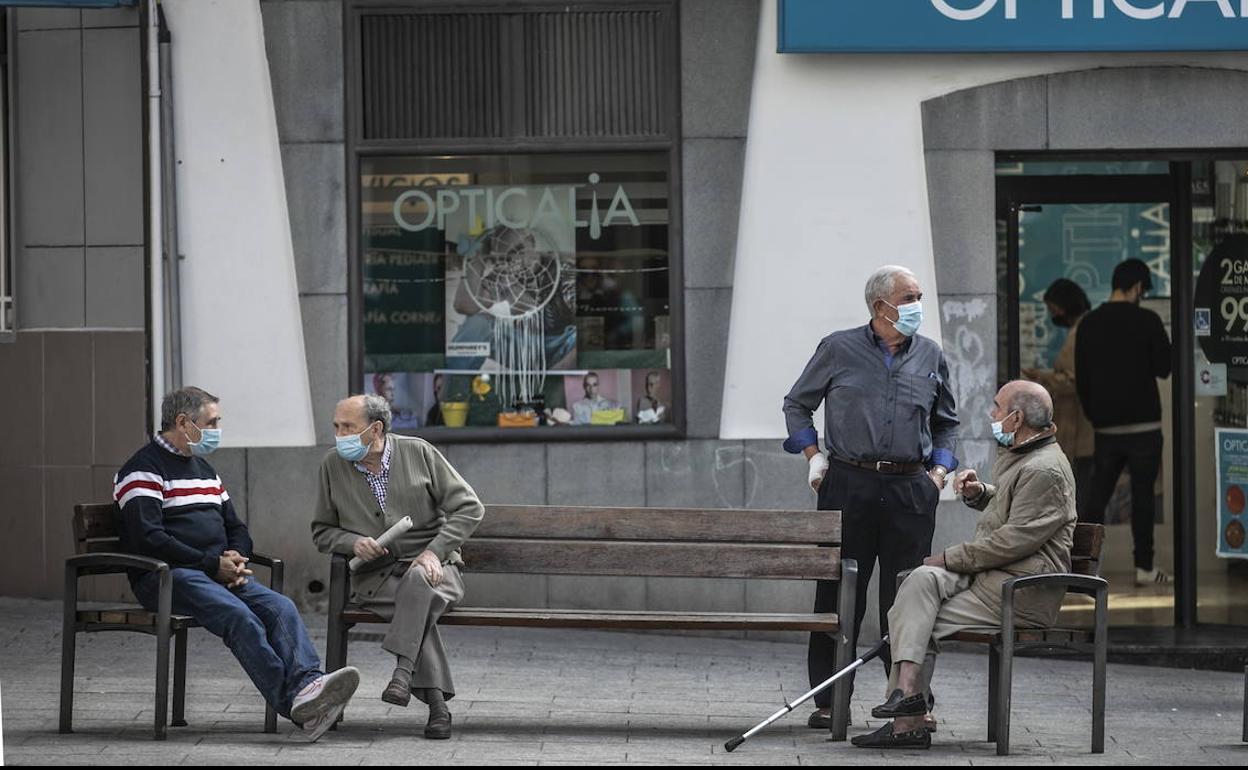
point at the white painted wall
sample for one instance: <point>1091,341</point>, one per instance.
<point>242,330</point>
<point>835,187</point>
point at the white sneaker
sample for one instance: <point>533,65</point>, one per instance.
<point>323,693</point>
<point>1152,577</point>
<point>315,727</point>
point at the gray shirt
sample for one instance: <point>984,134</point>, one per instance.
<point>877,405</point>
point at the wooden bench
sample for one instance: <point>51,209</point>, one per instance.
<point>1084,578</point>
<point>652,542</point>
<point>97,543</point>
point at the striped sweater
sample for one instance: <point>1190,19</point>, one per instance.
<point>175,508</point>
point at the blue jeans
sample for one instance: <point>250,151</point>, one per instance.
<point>260,626</point>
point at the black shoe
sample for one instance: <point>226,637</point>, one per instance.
<point>399,690</point>
<point>898,705</point>
<point>821,721</point>
<point>885,738</point>
<point>439,725</point>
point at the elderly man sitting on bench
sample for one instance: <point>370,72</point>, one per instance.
<point>1027,528</point>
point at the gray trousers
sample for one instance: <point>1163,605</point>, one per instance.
<point>933,604</point>
<point>413,607</point>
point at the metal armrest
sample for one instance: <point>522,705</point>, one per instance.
<point>1096,587</point>
<point>277,570</point>
<point>264,561</point>
<point>75,564</point>
<point>1075,584</point>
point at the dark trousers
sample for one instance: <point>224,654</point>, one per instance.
<point>885,517</point>
<point>1083,468</point>
<point>1140,454</point>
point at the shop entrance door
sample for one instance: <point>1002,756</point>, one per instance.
<point>1079,226</point>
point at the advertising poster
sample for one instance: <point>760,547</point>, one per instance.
<point>1222,305</point>
<point>1232,453</point>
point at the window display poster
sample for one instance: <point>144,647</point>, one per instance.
<point>413,397</point>
<point>599,397</point>
<point>652,396</point>
<point>1232,454</point>
<point>403,286</point>
<point>511,290</point>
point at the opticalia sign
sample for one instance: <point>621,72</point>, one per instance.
<point>917,26</point>
<point>520,207</point>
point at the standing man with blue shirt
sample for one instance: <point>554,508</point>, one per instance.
<point>889,426</point>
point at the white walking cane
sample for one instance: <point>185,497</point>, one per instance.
<point>874,651</point>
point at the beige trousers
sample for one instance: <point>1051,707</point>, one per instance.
<point>933,604</point>
<point>413,607</point>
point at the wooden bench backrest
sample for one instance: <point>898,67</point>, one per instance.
<point>97,528</point>
<point>657,542</point>
<point>1085,557</point>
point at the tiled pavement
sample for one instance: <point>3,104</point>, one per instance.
<point>583,697</point>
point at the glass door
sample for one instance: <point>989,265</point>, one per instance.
<point>1064,236</point>
<point>1219,242</point>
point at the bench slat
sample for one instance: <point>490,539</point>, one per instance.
<point>94,521</point>
<point>621,558</point>
<point>622,619</point>
<point>735,526</point>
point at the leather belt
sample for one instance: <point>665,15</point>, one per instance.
<point>883,466</point>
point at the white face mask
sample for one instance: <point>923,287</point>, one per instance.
<point>998,432</point>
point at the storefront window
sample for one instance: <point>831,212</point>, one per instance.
<point>517,291</point>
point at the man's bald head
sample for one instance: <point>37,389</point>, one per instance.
<point>1029,399</point>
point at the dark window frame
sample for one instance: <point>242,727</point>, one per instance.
<point>357,147</point>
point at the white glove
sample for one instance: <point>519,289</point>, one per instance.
<point>818,468</point>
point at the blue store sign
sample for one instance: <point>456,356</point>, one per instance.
<point>935,26</point>
<point>70,3</point>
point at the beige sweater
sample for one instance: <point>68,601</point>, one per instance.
<point>444,509</point>
<point>1027,528</point>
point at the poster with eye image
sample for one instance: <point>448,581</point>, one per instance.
<point>1232,454</point>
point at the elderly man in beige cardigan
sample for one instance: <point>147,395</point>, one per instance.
<point>1027,528</point>
<point>368,483</point>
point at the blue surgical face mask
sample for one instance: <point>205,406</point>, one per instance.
<point>352,448</point>
<point>209,440</point>
<point>909,317</point>
<point>998,432</point>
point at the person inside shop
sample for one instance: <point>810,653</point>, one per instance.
<point>1123,350</point>
<point>175,508</point>
<point>1027,528</point>
<point>1067,303</point>
<point>416,578</point>
<point>890,426</point>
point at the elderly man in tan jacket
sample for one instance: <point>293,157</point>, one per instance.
<point>1027,528</point>
<point>368,483</point>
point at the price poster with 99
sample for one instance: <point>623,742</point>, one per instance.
<point>1222,306</point>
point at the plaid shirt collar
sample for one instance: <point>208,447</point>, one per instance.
<point>385,462</point>
<point>379,482</point>
<point>165,445</point>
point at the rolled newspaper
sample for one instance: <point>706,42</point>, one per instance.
<point>387,537</point>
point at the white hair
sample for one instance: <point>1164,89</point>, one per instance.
<point>883,283</point>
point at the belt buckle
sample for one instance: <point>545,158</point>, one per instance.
<point>879,466</point>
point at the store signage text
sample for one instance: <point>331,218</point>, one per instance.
<point>981,26</point>
<point>1095,9</point>
<point>416,209</point>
